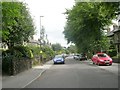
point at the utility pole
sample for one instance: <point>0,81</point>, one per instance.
<point>40,40</point>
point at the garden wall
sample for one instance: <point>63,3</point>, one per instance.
<point>14,66</point>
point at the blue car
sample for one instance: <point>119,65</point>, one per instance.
<point>59,59</point>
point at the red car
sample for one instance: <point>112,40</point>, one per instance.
<point>101,59</point>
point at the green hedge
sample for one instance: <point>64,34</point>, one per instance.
<point>15,55</point>
<point>26,51</point>
<point>112,52</point>
<point>35,50</point>
<point>47,51</point>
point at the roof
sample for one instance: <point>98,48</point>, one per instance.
<point>109,34</point>
<point>118,30</point>
<point>33,41</point>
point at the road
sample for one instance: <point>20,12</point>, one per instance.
<point>77,74</point>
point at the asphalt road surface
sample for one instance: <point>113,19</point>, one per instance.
<point>77,74</point>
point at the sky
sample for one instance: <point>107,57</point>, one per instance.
<point>53,21</point>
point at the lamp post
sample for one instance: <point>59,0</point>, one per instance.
<point>40,40</point>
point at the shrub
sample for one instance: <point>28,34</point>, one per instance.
<point>112,52</point>
<point>35,50</point>
<point>48,52</point>
<point>7,57</point>
<point>26,51</point>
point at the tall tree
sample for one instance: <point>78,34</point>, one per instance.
<point>72,49</point>
<point>17,23</point>
<point>56,47</point>
<point>86,22</point>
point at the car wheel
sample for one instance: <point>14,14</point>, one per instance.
<point>93,63</point>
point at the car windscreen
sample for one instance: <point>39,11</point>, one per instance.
<point>58,56</point>
<point>102,55</point>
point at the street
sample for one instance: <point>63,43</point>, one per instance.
<point>77,74</point>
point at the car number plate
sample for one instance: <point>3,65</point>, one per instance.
<point>58,61</point>
<point>106,61</point>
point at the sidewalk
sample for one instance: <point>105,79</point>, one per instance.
<point>24,78</point>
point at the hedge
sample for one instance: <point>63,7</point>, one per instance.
<point>16,59</point>
<point>112,52</point>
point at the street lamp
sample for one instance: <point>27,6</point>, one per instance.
<point>40,40</point>
<point>40,29</point>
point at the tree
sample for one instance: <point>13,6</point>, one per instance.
<point>86,22</point>
<point>56,47</point>
<point>72,49</point>
<point>17,23</point>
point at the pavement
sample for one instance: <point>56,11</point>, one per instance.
<point>24,78</point>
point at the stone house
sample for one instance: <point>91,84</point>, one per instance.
<point>114,37</point>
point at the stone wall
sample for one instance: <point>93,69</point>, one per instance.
<point>15,66</point>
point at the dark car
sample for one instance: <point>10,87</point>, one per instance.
<point>83,57</point>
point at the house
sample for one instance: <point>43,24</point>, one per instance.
<point>33,42</point>
<point>114,37</point>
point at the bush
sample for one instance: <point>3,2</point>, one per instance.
<point>26,51</point>
<point>35,50</point>
<point>7,57</point>
<point>48,52</point>
<point>112,52</point>
<point>16,59</point>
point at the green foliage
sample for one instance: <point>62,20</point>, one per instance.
<point>35,50</point>
<point>18,52</point>
<point>112,52</point>
<point>86,22</point>
<point>72,49</point>
<point>56,47</point>
<point>17,24</point>
<point>7,57</point>
<point>47,52</point>
<point>15,56</point>
<point>26,51</point>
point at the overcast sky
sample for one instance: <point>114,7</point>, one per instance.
<point>53,20</point>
